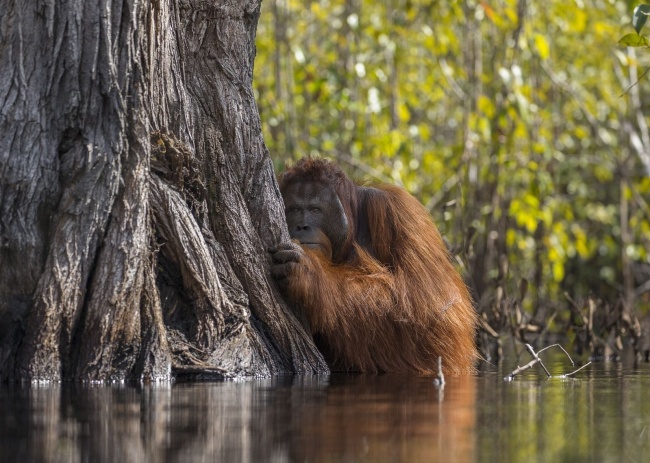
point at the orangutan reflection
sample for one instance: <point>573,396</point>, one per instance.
<point>380,418</point>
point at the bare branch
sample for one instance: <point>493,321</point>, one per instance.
<point>520,369</point>
<point>557,345</point>
<point>573,372</point>
<point>534,354</point>
<point>636,82</point>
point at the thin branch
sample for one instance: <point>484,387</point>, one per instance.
<point>557,345</point>
<point>520,369</point>
<point>573,372</point>
<point>534,354</point>
<point>642,289</point>
<point>450,183</point>
<point>635,83</point>
<point>447,73</point>
<point>488,329</point>
<point>371,171</point>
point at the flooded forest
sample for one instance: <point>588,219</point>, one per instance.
<point>522,127</point>
<point>141,216</point>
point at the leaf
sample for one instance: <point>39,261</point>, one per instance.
<point>633,40</point>
<point>542,46</point>
<point>640,16</point>
<point>489,12</point>
<point>558,271</point>
<point>486,106</point>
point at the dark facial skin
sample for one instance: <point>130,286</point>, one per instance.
<point>315,216</point>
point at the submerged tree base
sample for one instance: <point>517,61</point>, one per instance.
<point>138,198</point>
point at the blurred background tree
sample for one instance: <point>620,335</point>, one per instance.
<point>520,125</point>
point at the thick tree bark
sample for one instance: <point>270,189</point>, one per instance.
<point>137,196</point>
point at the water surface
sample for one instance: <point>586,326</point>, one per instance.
<point>600,415</point>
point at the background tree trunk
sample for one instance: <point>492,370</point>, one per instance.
<point>137,196</point>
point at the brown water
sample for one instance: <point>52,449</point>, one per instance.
<point>601,415</point>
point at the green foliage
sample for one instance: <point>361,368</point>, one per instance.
<point>633,40</point>
<point>508,117</point>
<point>639,18</point>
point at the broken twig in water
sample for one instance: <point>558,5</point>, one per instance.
<point>575,371</point>
<point>536,360</point>
<point>536,357</point>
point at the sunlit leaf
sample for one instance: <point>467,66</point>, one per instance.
<point>633,40</point>
<point>640,16</point>
<point>403,112</point>
<point>578,19</point>
<point>542,46</point>
<point>486,106</point>
<point>489,12</point>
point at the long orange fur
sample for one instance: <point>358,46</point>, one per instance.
<point>394,303</point>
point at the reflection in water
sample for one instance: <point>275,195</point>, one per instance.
<point>601,416</point>
<point>374,418</point>
<point>340,418</point>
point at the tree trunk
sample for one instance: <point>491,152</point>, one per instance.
<point>137,196</point>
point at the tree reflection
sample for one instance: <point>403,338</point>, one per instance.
<point>601,416</point>
<point>340,418</point>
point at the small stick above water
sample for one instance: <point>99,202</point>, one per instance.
<point>439,381</point>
